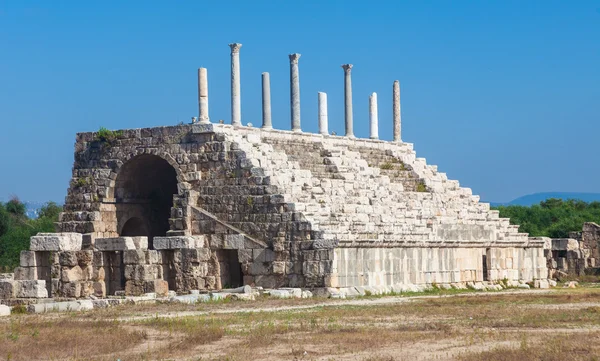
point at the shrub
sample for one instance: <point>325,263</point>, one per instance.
<point>108,136</point>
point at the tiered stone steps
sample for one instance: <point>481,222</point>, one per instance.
<point>361,193</point>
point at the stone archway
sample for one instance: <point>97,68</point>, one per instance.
<point>143,194</point>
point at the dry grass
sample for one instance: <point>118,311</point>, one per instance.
<point>33,337</point>
<point>495,326</point>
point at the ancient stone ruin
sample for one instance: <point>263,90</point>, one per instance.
<point>207,206</point>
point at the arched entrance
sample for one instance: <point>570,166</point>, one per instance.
<point>144,191</point>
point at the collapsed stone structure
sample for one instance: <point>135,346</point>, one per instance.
<point>576,255</point>
<point>209,206</point>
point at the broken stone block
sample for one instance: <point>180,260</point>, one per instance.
<point>32,289</point>
<point>28,259</point>
<point>160,287</point>
<point>134,288</point>
<point>68,259</point>
<point>7,276</point>
<point>99,259</point>
<point>71,274</point>
<point>56,242</point>
<point>8,289</point>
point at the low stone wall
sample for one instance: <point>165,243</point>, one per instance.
<point>439,265</point>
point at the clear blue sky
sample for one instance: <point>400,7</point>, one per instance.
<point>502,95</point>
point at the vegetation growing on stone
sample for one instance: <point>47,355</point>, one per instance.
<point>106,135</point>
<point>553,217</point>
<point>16,228</point>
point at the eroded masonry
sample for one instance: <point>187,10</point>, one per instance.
<point>206,206</point>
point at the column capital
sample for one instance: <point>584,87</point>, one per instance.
<point>347,67</point>
<point>235,47</point>
<point>294,58</point>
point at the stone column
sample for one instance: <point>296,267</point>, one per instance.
<point>266,102</point>
<point>373,117</point>
<point>323,114</point>
<point>236,101</point>
<point>348,100</point>
<point>397,113</point>
<point>295,92</point>
<point>203,96</point>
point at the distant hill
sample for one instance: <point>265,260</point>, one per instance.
<point>536,198</point>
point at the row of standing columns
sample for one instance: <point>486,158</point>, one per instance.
<point>236,117</point>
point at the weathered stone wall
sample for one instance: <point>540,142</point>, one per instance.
<point>440,265</point>
<point>293,198</point>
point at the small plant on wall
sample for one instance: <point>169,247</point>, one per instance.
<point>107,136</point>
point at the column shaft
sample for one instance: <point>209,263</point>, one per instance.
<point>295,92</point>
<point>323,120</point>
<point>203,96</point>
<point>397,112</point>
<point>373,117</point>
<point>266,102</point>
<point>236,101</point>
<point>348,100</point>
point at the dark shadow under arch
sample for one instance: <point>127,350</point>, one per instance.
<point>144,191</point>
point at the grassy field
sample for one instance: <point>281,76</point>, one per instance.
<point>561,324</point>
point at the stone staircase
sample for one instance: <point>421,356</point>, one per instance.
<point>366,191</point>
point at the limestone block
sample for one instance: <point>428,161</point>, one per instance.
<point>29,259</point>
<point>160,287</point>
<point>154,257</point>
<point>56,242</point>
<point>143,272</point>
<point>99,259</point>
<point>70,289</point>
<point>278,267</point>
<point>32,289</point>
<point>87,289</point>
<point>68,258</point>
<point>178,242</point>
<point>99,289</point>
<point>193,255</point>
<point>4,310</point>
<point>140,242</point>
<point>245,255</point>
<point>134,288</point>
<point>71,274</point>
<point>263,255</point>
<point>233,241</point>
<point>115,244</point>
<point>85,258</point>
<point>136,256</point>
<point>7,276</point>
<point>8,289</point>
<point>25,273</point>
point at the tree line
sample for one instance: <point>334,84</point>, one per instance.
<point>553,217</point>
<point>16,228</point>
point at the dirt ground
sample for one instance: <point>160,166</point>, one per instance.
<point>559,324</point>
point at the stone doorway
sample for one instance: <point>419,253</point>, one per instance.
<point>230,268</point>
<point>144,191</point>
